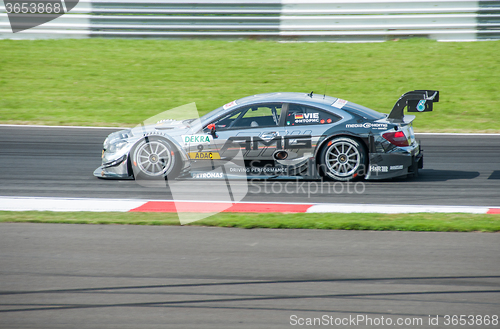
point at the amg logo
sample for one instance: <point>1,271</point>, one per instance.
<point>281,142</point>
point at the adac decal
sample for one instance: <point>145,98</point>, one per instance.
<point>204,155</point>
<point>281,142</point>
<point>196,139</point>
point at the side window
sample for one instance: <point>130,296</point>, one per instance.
<point>226,121</point>
<point>300,115</point>
<point>264,115</point>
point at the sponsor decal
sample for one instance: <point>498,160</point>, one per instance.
<point>398,167</point>
<point>207,175</point>
<point>280,142</point>
<point>204,155</point>
<point>153,133</point>
<point>199,139</point>
<point>307,118</point>
<point>421,105</point>
<point>228,105</point>
<point>260,170</point>
<point>161,122</point>
<point>328,120</point>
<point>367,125</point>
<point>339,103</point>
<point>375,168</point>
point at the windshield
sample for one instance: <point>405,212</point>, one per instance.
<point>207,118</point>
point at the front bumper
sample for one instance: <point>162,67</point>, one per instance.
<point>118,170</point>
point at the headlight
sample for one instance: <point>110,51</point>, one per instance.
<point>113,141</point>
<point>116,146</point>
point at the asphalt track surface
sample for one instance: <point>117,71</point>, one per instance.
<point>113,276</point>
<point>59,162</point>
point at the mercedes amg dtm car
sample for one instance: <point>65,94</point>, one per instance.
<point>279,135</point>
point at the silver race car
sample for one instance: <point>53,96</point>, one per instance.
<point>279,135</point>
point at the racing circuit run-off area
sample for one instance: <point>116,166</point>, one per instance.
<point>95,276</point>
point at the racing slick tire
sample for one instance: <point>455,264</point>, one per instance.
<point>343,159</point>
<point>153,158</point>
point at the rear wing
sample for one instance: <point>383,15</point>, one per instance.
<point>417,101</point>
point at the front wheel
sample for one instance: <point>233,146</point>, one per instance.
<point>343,159</point>
<point>152,158</point>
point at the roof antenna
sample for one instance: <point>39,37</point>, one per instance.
<point>311,94</point>
<point>326,85</point>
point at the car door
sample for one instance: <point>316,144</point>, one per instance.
<point>255,129</point>
<point>305,120</point>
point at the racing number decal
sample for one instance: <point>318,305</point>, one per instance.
<point>200,141</point>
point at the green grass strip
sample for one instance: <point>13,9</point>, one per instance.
<point>332,221</point>
<point>116,82</point>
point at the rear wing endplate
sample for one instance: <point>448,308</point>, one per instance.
<point>417,101</point>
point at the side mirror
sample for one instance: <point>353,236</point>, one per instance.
<point>212,130</point>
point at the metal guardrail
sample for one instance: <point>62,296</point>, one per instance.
<point>288,20</point>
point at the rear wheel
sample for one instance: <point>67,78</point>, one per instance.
<point>343,159</point>
<point>152,158</point>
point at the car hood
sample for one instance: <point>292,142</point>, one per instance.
<point>164,127</point>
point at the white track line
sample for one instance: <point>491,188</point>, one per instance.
<point>67,204</point>
<point>9,203</point>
